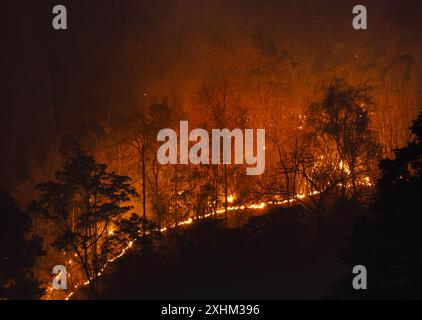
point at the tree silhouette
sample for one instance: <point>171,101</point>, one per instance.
<point>17,254</point>
<point>343,116</point>
<point>388,243</point>
<point>84,202</point>
<point>144,124</point>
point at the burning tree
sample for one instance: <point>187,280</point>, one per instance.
<point>331,151</point>
<point>144,124</point>
<point>223,107</point>
<point>342,118</point>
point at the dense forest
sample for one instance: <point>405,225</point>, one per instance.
<point>81,185</point>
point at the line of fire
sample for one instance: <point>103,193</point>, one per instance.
<point>211,150</point>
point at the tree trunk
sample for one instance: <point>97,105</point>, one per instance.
<point>144,206</point>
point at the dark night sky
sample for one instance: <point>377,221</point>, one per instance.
<point>113,48</point>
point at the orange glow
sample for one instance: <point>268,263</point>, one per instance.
<point>230,198</point>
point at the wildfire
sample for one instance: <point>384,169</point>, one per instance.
<point>343,166</point>
<point>261,205</point>
<point>230,198</point>
<point>253,206</point>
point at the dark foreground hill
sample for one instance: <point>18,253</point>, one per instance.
<point>274,256</point>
